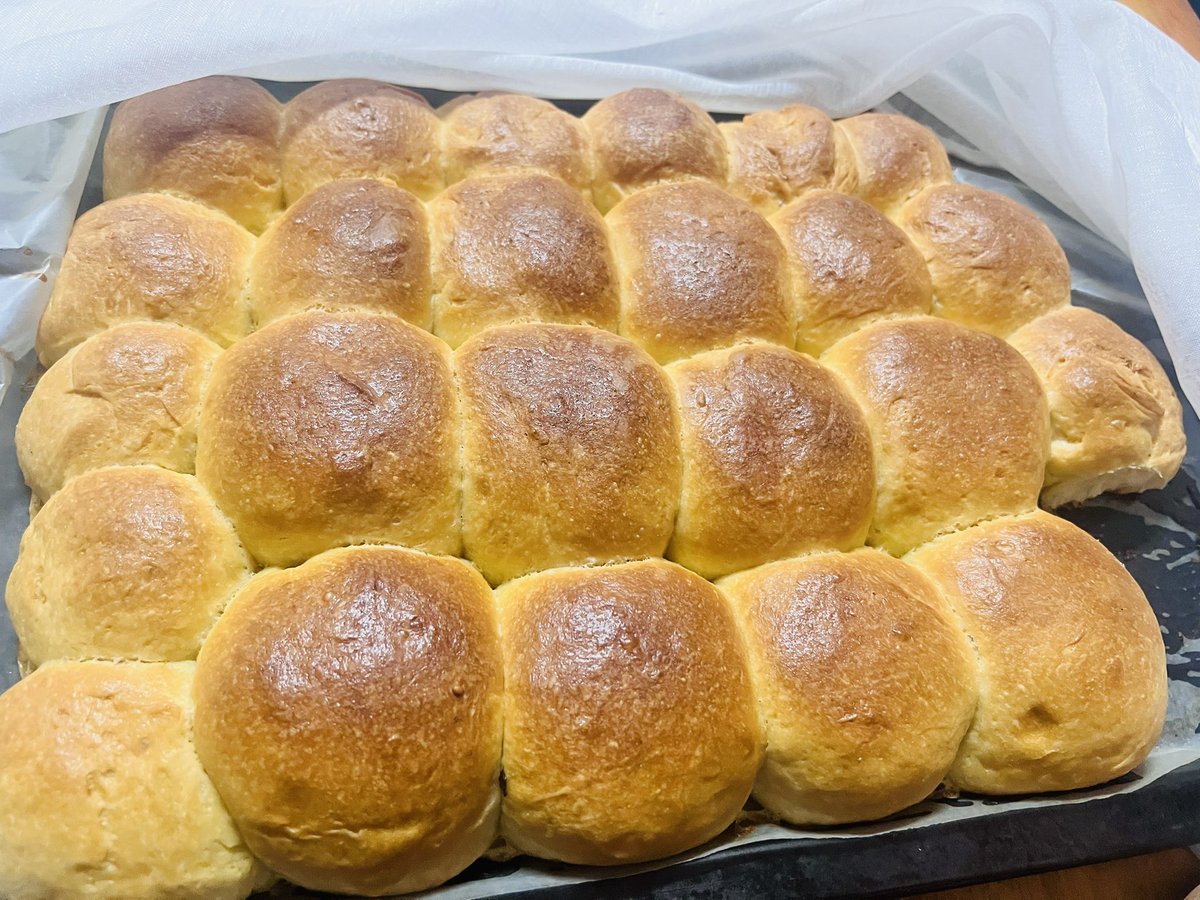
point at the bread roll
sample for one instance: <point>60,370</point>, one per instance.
<point>778,155</point>
<point>125,563</point>
<point>130,394</point>
<point>215,139</point>
<point>643,136</point>
<point>570,449</point>
<point>518,247</point>
<point>349,244</point>
<point>149,257</point>
<point>849,266</point>
<point>1117,424</point>
<point>894,157</point>
<point>348,711</point>
<point>994,265</point>
<point>1073,683</point>
<point>629,724</point>
<point>865,684</point>
<point>101,794</point>
<point>699,269</point>
<point>326,429</point>
<point>959,422</point>
<point>359,128</point>
<point>490,133</point>
<point>776,460</point>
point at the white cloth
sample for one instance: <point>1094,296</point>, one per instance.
<point>1081,99</point>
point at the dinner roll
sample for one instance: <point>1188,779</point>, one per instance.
<point>518,247</point>
<point>894,158</point>
<point>777,155</point>
<point>215,139</point>
<point>125,563</point>
<point>490,133</point>
<point>699,269</point>
<point>148,256</point>
<point>865,684</point>
<point>1117,424</point>
<point>349,244</point>
<point>776,460</point>
<point>101,793</point>
<point>849,266</point>
<point>629,725</point>
<point>325,429</point>
<point>643,136</point>
<point>1073,682</point>
<point>994,265</point>
<point>570,449</point>
<point>348,711</point>
<point>360,128</point>
<point>130,394</point>
<point>959,422</point>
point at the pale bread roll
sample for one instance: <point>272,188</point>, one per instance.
<point>894,157</point>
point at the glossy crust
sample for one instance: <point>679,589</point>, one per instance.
<point>959,422</point>
<point>130,394</point>
<point>215,139</point>
<point>123,563</point>
<point>995,265</point>
<point>570,449</point>
<point>849,267</point>
<point>351,244</point>
<point>865,684</point>
<point>149,257</point>
<point>778,155</point>
<point>1073,685</point>
<point>491,133</point>
<point>630,731</point>
<point>644,136</point>
<point>699,269</point>
<point>326,429</point>
<point>895,158</point>
<point>101,793</point>
<point>516,248</point>
<point>355,128</point>
<point>348,711</point>
<point>1117,423</point>
<point>777,460</point>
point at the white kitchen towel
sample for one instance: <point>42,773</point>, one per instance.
<point>1081,99</point>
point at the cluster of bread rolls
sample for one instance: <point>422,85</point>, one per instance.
<point>369,430</point>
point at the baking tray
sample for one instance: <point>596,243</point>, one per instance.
<point>1154,534</point>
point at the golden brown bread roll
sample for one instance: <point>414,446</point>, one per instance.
<point>994,264</point>
<point>1116,422</point>
<point>629,725</point>
<point>776,460</point>
<point>325,429</point>
<point>123,563</point>
<point>349,244</point>
<point>348,711</point>
<point>865,684</point>
<point>570,449</point>
<point>699,269</point>
<point>959,422</point>
<point>1073,682</point>
<point>644,136</point>
<point>894,157</point>
<point>101,793</point>
<point>149,257</point>
<point>354,128</point>
<point>215,139</point>
<point>490,133</point>
<point>130,394</point>
<point>777,155</point>
<point>849,266</point>
<point>518,247</point>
